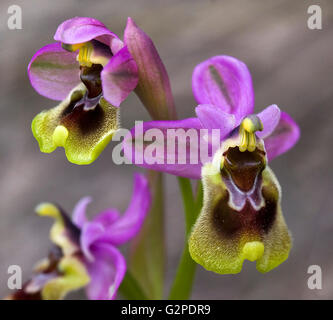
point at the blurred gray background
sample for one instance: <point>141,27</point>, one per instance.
<point>291,66</point>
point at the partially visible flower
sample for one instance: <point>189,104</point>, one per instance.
<point>85,252</point>
<point>223,87</point>
<point>92,72</point>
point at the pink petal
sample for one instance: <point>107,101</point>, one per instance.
<point>106,272</point>
<point>213,117</point>
<point>270,118</point>
<point>225,82</point>
<point>130,223</point>
<point>90,233</point>
<point>107,217</point>
<point>283,138</point>
<point>156,155</point>
<point>79,213</point>
<point>83,29</point>
<point>54,72</point>
<point>119,77</point>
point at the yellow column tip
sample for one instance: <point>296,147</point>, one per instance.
<point>248,125</point>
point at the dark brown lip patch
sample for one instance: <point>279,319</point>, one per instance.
<point>231,223</point>
<point>244,167</point>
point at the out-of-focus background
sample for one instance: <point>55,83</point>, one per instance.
<point>291,66</point>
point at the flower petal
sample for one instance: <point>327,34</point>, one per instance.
<point>90,233</point>
<point>83,133</point>
<point>169,151</point>
<point>79,213</point>
<point>119,77</point>
<point>106,272</point>
<point>130,223</point>
<point>54,72</point>
<point>107,217</point>
<point>95,230</point>
<point>83,29</point>
<point>223,237</point>
<point>225,82</point>
<point>283,138</point>
<point>212,117</point>
<point>270,118</point>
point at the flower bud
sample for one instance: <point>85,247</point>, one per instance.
<point>154,88</point>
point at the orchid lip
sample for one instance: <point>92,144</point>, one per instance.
<point>225,235</point>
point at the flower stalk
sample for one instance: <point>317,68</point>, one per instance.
<point>182,285</point>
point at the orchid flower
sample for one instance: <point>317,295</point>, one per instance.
<point>92,72</point>
<point>85,253</point>
<point>241,217</point>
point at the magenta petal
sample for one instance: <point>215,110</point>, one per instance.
<point>107,217</point>
<point>79,213</point>
<point>106,272</point>
<point>90,233</point>
<point>270,118</point>
<point>54,72</point>
<point>212,117</point>
<point>225,82</point>
<point>83,29</point>
<point>157,155</point>
<point>119,77</point>
<point>284,137</point>
<point>129,224</point>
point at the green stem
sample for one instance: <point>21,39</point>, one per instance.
<point>188,203</point>
<point>182,286</point>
